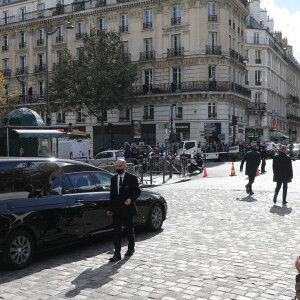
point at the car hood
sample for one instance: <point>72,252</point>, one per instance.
<point>149,194</point>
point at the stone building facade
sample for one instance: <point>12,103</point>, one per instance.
<point>189,56</point>
<point>273,77</point>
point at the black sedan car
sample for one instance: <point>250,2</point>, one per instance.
<point>45,203</point>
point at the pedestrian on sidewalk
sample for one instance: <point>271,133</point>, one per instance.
<point>263,154</point>
<point>283,173</point>
<point>124,190</point>
<point>252,159</point>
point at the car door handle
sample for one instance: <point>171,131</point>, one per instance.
<point>79,201</point>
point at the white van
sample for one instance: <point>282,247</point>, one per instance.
<point>72,149</point>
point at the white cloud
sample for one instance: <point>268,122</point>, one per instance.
<point>286,22</point>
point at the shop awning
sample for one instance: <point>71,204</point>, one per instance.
<point>39,133</point>
<point>278,135</point>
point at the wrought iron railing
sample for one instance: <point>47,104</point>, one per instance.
<point>40,68</point>
<point>147,55</point>
<point>175,52</point>
<point>147,25</point>
<point>256,106</point>
<point>214,50</point>
<point>212,18</point>
<point>191,86</point>
<point>176,21</point>
<point>21,70</point>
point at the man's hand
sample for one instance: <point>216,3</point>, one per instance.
<point>297,264</point>
<point>109,213</point>
<point>128,201</point>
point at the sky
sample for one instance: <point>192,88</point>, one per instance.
<point>286,15</point>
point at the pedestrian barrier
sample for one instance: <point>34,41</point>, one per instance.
<point>205,173</point>
<point>257,172</point>
<point>232,170</point>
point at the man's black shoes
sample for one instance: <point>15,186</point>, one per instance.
<point>115,258</point>
<point>284,202</point>
<point>247,189</point>
<point>251,193</point>
<point>129,252</point>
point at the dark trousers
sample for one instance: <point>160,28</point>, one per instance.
<point>251,180</point>
<point>118,221</point>
<point>284,189</point>
<point>263,165</point>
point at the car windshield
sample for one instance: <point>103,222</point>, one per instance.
<point>119,154</point>
<point>269,146</point>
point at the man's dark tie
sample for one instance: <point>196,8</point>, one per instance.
<point>120,184</point>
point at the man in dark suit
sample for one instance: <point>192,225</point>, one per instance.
<point>252,159</point>
<point>124,190</point>
<point>283,173</point>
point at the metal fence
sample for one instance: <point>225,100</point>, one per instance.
<point>164,166</point>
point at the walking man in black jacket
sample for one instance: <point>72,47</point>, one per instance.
<point>283,173</point>
<point>124,190</point>
<point>252,159</point>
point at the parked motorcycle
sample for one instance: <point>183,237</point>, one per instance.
<point>195,163</point>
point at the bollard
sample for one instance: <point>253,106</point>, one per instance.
<point>150,166</point>
<point>170,168</point>
<point>164,171</point>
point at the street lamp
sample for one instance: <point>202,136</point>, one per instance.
<point>69,26</point>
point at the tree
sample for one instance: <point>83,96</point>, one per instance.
<point>7,103</point>
<point>98,79</point>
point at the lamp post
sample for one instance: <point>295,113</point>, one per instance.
<point>234,117</point>
<point>69,26</point>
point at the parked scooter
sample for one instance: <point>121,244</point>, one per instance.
<point>195,163</point>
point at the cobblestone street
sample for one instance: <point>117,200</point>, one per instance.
<point>217,244</point>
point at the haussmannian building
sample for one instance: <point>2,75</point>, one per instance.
<point>190,57</point>
<point>273,75</point>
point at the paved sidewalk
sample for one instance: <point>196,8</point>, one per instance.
<point>217,244</point>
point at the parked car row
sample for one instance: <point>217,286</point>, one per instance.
<point>45,203</point>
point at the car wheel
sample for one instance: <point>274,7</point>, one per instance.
<point>155,217</point>
<point>19,250</point>
<point>223,158</point>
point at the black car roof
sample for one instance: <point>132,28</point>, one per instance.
<point>49,159</point>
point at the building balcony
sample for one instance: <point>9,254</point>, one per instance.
<point>256,106</point>
<point>258,83</point>
<point>63,121</point>
<point>22,45</point>
<point>21,70</point>
<point>191,86</point>
<point>247,82</point>
<point>59,10</point>
<point>6,72</point>
<point>148,118</point>
<point>59,38</point>
<point>213,50</point>
<point>178,116</point>
<point>212,116</point>
<point>293,99</point>
<point>147,55</point>
<point>258,61</point>
<point>123,28</point>
<point>4,47</point>
<point>294,118</point>
<point>147,25</point>
<point>100,3</point>
<point>80,120</point>
<point>176,21</point>
<point>233,54</point>
<point>175,52</point>
<point>40,68</point>
<point>77,6</point>
<point>212,18</point>
<point>34,98</point>
<point>79,35</point>
<point>40,42</point>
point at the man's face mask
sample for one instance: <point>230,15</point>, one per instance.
<point>119,171</point>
